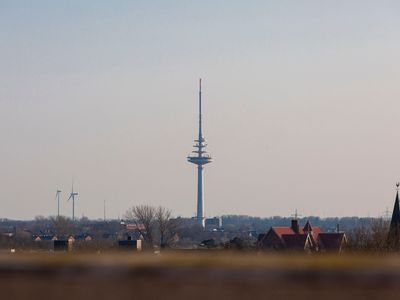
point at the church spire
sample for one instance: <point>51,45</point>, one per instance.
<point>394,230</point>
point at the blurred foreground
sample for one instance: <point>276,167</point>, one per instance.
<point>198,275</point>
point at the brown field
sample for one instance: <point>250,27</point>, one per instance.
<point>194,275</point>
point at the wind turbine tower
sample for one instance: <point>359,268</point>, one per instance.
<point>200,157</point>
<point>58,202</point>
<point>104,211</point>
<point>72,196</point>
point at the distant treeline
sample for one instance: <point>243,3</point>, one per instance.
<point>238,222</point>
<point>258,224</point>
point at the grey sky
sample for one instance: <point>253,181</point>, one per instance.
<point>301,105</point>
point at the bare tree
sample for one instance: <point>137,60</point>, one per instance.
<point>379,233</point>
<point>162,216</point>
<point>144,216</point>
<point>370,237</point>
<point>167,227</point>
<point>62,225</point>
<point>41,224</point>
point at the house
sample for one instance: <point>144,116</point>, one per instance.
<point>83,237</point>
<point>308,238</point>
<point>45,237</point>
<point>293,237</point>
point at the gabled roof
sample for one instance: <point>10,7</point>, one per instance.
<point>44,237</point>
<point>47,237</point>
<point>316,231</point>
<point>331,240</point>
<point>296,241</point>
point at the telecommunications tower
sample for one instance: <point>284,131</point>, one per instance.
<point>200,157</point>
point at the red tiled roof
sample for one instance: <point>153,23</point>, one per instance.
<point>132,226</point>
<point>282,230</point>
<point>316,231</point>
<point>287,230</point>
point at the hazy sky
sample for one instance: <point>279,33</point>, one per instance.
<point>302,105</point>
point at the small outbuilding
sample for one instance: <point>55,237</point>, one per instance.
<point>130,244</point>
<point>61,245</point>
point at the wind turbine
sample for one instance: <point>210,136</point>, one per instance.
<point>58,202</point>
<point>72,196</point>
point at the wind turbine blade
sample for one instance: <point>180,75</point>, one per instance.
<point>70,196</point>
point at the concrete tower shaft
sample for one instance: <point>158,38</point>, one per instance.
<point>200,157</point>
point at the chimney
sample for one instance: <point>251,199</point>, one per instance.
<point>295,225</point>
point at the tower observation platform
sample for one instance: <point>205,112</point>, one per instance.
<point>200,157</point>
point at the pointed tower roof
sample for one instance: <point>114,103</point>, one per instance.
<point>396,212</point>
<point>307,227</point>
<point>393,239</point>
